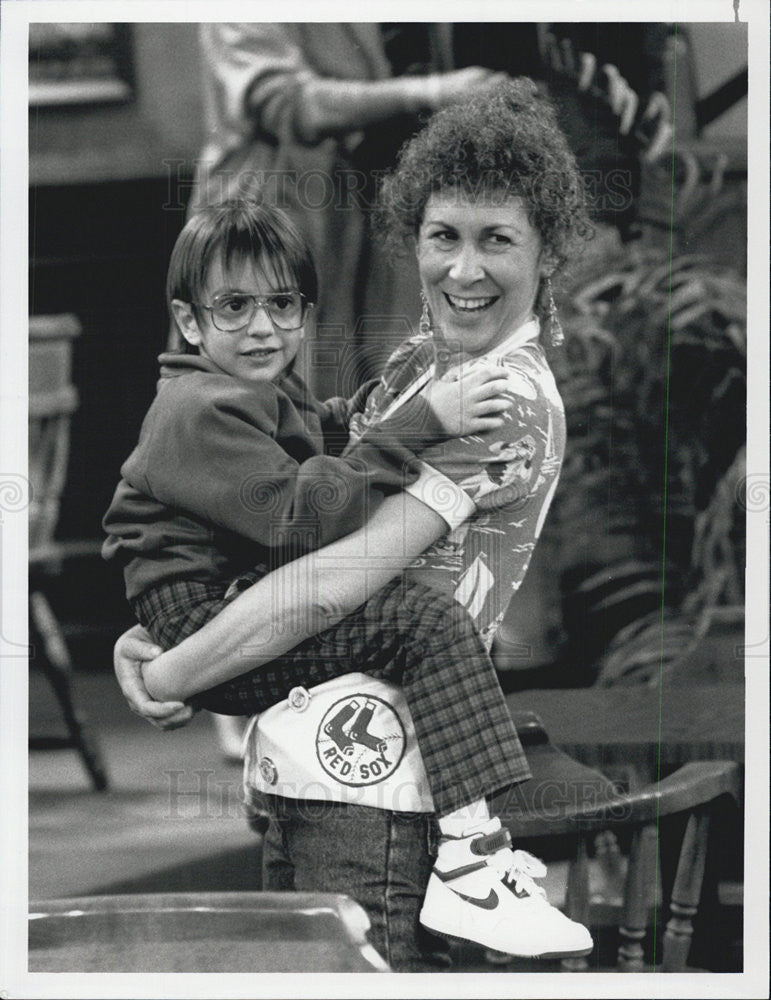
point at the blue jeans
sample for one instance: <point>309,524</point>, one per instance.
<point>381,859</point>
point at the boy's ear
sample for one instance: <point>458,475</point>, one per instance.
<point>309,326</point>
<point>186,321</point>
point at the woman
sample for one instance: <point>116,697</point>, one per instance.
<point>490,198</point>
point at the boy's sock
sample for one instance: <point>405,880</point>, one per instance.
<point>455,824</point>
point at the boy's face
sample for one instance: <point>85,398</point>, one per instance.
<point>259,351</point>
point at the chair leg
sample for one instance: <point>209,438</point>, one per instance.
<point>577,900</point>
<point>57,667</point>
<point>638,894</point>
<point>686,892</point>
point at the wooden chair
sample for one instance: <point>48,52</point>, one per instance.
<point>52,401</point>
<point>565,797</point>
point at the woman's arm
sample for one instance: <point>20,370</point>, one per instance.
<point>297,601</point>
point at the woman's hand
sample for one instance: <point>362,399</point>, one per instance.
<point>132,649</point>
<point>470,400</point>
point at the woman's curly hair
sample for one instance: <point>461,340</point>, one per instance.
<point>505,140</point>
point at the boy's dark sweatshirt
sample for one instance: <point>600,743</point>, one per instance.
<point>229,474</point>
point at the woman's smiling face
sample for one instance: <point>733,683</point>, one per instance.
<point>480,262</point>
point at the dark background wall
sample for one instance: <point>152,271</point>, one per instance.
<point>107,189</point>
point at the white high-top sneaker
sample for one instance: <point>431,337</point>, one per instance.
<point>482,891</point>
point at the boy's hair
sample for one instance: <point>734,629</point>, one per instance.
<point>237,229</point>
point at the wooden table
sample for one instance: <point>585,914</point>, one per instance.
<point>607,727</point>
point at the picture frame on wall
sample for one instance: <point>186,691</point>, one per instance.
<point>79,64</point>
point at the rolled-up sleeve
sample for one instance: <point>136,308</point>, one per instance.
<point>257,71</point>
<point>442,495</point>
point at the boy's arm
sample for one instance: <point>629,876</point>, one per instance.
<point>134,648</point>
<point>504,464</point>
<point>227,461</point>
<point>335,415</point>
<point>297,601</point>
<point>439,411</point>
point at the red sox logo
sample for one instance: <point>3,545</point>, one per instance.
<point>360,740</point>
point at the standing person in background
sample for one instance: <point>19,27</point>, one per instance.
<point>310,114</point>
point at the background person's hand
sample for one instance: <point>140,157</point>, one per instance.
<point>469,399</point>
<point>460,84</point>
<point>132,649</point>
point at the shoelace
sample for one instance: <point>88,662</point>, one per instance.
<point>520,868</point>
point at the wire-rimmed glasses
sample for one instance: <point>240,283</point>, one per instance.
<point>232,311</point>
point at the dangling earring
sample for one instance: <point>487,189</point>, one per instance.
<point>556,333</point>
<point>425,316</point>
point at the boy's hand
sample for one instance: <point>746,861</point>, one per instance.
<point>469,400</point>
<point>132,649</point>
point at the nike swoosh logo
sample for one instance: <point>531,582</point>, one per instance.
<point>489,903</point>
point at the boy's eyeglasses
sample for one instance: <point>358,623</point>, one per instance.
<point>234,310</point>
